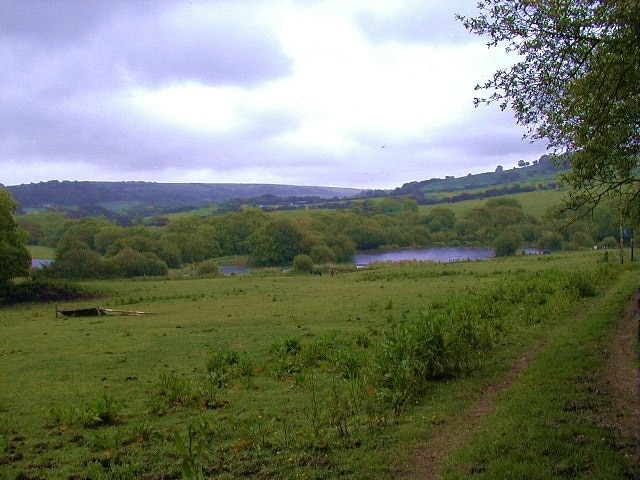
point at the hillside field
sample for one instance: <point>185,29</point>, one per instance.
<point>535,203</point>
<point>272,375</point>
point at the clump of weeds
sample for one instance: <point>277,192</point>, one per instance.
<point>104,410</point>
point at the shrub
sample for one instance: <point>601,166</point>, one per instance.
<point>103,411</point>
<point>132,263</point>
<point>302,263</point>
<point>175,389</point>
<point>507,243</point>
<point>284,357</point>
<point>77,263</point>
<point>436,345</point>
<point>217,366</point>
<point>550,241</point>
<point>208,267</point>
<point>609,242</point>
<point>581,284</point>
<point>581,239</point>
<point>322,254</point>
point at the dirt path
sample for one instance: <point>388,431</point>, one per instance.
<point>426,459</point>
<point>624,381</point>
<point>623,386</point>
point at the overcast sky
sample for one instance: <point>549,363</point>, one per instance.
<point>349,93</point>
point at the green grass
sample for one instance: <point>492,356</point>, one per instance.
<point>270,375</point>
<point>45,253</point>
<point>553,423</point>
<point>534,203</point>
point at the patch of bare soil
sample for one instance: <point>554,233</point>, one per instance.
<point>623,384</point>
<point>623,387</point>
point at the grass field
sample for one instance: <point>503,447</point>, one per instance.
<point>283,376</point>
<point>45,253</point>
<point>535,203</point>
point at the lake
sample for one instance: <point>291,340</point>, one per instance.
<point>40,262</point>
<point>433,254</point>
<point>234,269</point>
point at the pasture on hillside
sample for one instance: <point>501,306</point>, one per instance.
<point>536,203</point>
<point>274,375</point>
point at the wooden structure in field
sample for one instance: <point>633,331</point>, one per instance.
<point>96,312</point>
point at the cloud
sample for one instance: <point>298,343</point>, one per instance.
<point>417,21</point>
<point>224,43</point>
<point>154,43</point>
<point>279,91</point>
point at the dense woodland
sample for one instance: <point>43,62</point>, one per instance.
<point>91,242</point>
<point>97,247</point>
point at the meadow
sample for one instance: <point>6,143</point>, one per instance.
<point>274,375</point>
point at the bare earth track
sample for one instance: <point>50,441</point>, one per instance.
<point>622,386</point>
<point>624,379</point>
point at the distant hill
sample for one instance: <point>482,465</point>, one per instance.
<point>159,197</point>
<point>124,201</point>
<point>430,191</point>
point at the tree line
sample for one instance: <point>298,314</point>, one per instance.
<point>97,247</point>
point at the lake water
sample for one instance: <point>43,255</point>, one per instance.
<point>434,254</point>
<point>39,262</point>
<point>234,269</point>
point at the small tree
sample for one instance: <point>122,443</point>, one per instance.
<point>276,243</point>
<point>15,259</point>
<point>302,263</point>
<point>131,263</point>
<point>77,262</point>
<point>550,241</point>
<point>321,253</point>
<point>609,242</point>
<point>507,243</point>
<point>208,267</point>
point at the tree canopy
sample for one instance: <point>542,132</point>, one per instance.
<point>576,84</point>
<point>15,259</point>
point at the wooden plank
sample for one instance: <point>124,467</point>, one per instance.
<point>97,311</point>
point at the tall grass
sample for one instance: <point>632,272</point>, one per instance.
<point>272,376</point>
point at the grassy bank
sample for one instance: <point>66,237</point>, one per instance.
<point>559,420</point>
<point>45,253</point>
<point>284,376</point>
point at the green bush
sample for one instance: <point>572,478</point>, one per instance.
<point>284,357</point>
<point>322,254</point>
<point>581,240</point>
<point>302,263</point>
<point>507,243</point>
<point>102,411</point>
<point>208,267</point>
<point>131,263</point>
<point>77,263</point>
<point>582,284</point>
<point>609,242</point>
<point>447,340</point>
<point>175,389</point>
<point>218,366</point>
<point>550,241</point>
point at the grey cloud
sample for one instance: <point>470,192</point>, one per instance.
<point>106,136</point>
<point>419,22</point>
<point>105,42</point>
<point>484,140</point>
<point>229,48</point>
<point>67,60</point>
<point>50,23</point>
